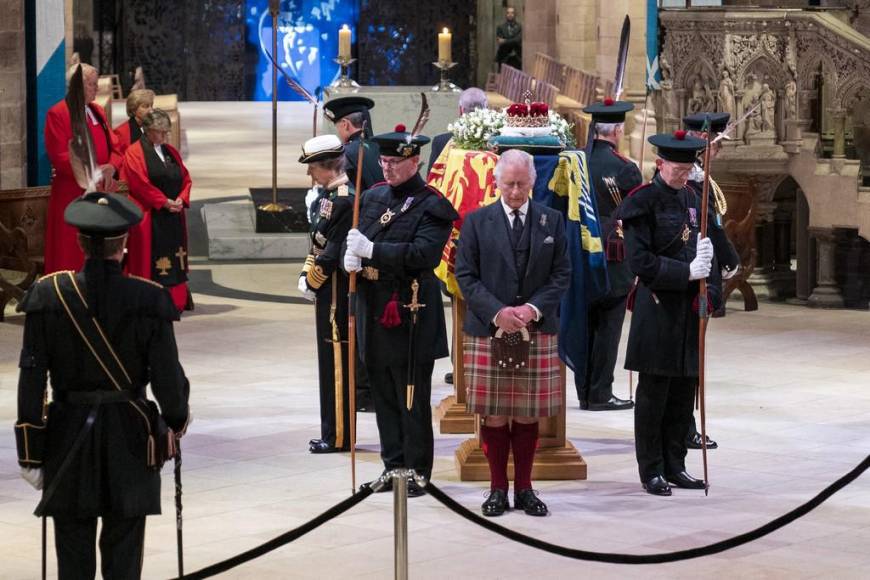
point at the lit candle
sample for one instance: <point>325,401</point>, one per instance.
<point>444,41</point>
<point>344,42</point>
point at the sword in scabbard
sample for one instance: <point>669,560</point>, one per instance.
<point>337,365</point>
<point>413,307</point>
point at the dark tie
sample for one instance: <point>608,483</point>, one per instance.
<point>516,228</point>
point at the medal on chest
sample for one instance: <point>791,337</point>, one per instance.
<point>686,233</point>
<point>387,217</point>
<point>325,208</point>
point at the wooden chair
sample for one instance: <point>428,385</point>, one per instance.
<point>22,228</point>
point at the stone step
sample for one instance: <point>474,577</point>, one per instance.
<point>231,236</point>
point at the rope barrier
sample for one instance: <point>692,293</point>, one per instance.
<point>283,539</point>
<point>612,558</point>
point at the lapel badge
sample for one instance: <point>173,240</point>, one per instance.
<point>407,204</point>
<point>343,190</point>
<point>693,216</point>
<point>543,221</point>
<point>387,217</point>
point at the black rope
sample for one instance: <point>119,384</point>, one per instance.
<point>283,539</point>
<point>611,558</point>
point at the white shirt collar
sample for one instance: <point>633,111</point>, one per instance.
<point>524,210</point>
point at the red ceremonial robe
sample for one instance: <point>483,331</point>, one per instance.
<point>61,249</point>
<point>123,132</point>
<point>150,198</point>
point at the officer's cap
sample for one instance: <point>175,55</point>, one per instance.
<point>609,111</point>
<point>399,143</point>
<point>677,147</point>
<point>336,109</point>
<point>103,215</point>
<point>321,148</point>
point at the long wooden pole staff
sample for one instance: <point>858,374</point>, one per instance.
<point>702,310</point>
<point>351,322</point>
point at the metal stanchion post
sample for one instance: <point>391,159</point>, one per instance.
<point>400,523</point>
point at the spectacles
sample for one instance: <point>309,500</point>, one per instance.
<point>385,163</point>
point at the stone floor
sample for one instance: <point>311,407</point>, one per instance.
<point>788,403</point>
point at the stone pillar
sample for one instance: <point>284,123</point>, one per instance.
<point>539,31</point>
<point>838,116</point>
<point>761,278</point>
<point>13,92</point>
<point>638,139</point>
<point>826,294</point>
<point>803,283</point>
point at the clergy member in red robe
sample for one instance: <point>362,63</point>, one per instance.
<point>61,250</point>
<point>160,184</point>
<point>139,104</point>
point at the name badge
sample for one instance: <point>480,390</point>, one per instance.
<point>693,216</point>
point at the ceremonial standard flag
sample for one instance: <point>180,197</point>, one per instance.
<point>653,70</point>
<point>570,188</point>
<point>466,179</point>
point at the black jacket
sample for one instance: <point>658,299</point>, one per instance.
<point>409,247</point>
<point>664,325</point>
<point>371,173</point>
<point>439,142</point>
<point>487,274</point>
<point>611,171</point>
<point>109,474</point>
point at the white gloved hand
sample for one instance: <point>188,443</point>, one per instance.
<point>359,244</point>
<point>33,476</point>
<point>352,262</point>
<point>304,289</point>
<point>728,274</point>
<point>699,268</point>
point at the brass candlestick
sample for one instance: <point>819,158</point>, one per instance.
<point>274,206</point>
<point>344,82</point>
<point>444,85</point>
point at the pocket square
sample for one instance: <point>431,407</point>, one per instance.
<point>548,240</point>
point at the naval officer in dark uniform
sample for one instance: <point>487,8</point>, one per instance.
<point>661,221</point>
<point>613,177</point>
<point>353,125</point>
<point>323,277</point>
<point>403,227</point>
<point>726,255</point>
<point>99,445</point>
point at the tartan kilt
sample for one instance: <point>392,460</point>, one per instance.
<point>533,391</point>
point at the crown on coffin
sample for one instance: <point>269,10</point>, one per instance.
<point>528,114</point>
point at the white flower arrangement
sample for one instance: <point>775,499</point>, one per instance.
<point>474,129</point>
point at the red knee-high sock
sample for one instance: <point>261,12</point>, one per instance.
<point>524,439</point>
<point>497,447</point>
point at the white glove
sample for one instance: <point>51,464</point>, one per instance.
<point>699,268</point>
<point>304,290</point>
<point>359,244</point>
<point>728,274</point>
<point>352,262</point>
<point>33,476</point>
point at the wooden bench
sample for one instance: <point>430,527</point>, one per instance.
<point>22,240</point>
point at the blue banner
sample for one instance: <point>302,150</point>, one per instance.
<point>653,69</point>
<point>563,183</point>
<point>307,43</point>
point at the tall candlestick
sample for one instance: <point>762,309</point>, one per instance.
<point>344,42</point>
<point>444,46</point>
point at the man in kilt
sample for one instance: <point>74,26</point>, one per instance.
<point>512,268</point>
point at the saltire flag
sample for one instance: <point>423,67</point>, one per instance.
<point>570,189</point>
<point>653,68</point>
<point>466,178</point>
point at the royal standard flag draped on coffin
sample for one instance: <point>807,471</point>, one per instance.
<point>466,178</point>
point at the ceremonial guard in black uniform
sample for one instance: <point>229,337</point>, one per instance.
<point>723,249</point>
<point>403,227</point>
<point>613,177</point>
<point>323,277</point>
<point>353,124</point>
<point>102,337</point>
<point>661,221</point>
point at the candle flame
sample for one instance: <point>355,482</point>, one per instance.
<point>345,27</point>
<point>446,31</point>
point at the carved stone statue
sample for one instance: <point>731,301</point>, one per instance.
<point>791,99</point>
<point>727,102</point>
<point>768,108</point>
<point>138,79</point>
<point>669,109</point>
<point>698,98</point>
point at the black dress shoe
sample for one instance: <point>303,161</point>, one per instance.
<point>693,441</point>
<point>527,500</point>
<point>686,481</point>
<point>414,490</point>
<point>321,446</point>
<point>448,378</point>
<point>584,405</point>
<point>496,503</point>
<point>657,486</point>
<point>612,404</point>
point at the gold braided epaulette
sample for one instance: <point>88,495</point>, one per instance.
<point>53,274</point>
<point>152,282</point>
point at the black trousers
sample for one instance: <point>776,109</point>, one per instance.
<point>334,414</point>
<point>406,436</point>
<point>605,329</point>
<point>121,547</point>
<point>662,416</point>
